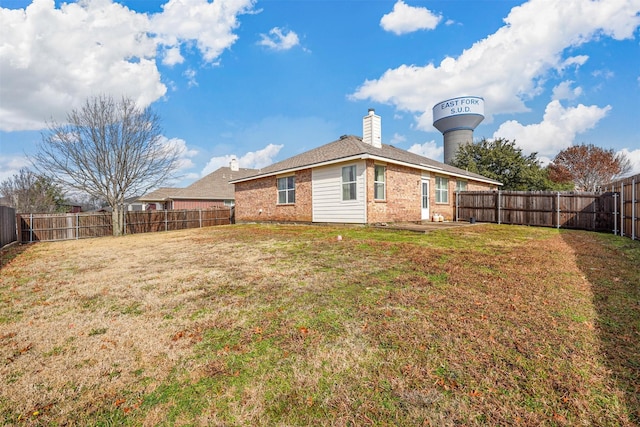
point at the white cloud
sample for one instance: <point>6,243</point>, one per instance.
<point>634,158</point>
<point>429,149</point>
<point>574,60</point>
<point>406,19</point>
<point>253,159</point>
<point>397,139</point>
<point>508,66</point>
<point>10,165</point>
<point>209,24</point>
<point>190,74</point>
<point>172,56</point>
<point>557,130</point>
<point>52,59</point>
<point>186,154</point>
<point>565,91</point>
<point>279,40</point>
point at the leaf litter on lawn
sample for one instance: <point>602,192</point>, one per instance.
<point>272,324</point>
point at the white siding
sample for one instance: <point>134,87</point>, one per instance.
<point>328,205</point>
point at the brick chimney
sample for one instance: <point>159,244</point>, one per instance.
<point>233,165</point>
<point>372,129</point>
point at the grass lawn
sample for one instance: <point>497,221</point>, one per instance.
<point>287,326</point>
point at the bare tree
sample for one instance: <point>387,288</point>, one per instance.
<point>110,150</point>
<point>588,167</point>
<point>27,192</point>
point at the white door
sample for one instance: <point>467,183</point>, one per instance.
<point>425,198</point>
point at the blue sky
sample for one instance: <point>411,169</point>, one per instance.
<point>264,80</point>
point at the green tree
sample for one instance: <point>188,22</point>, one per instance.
<point>29,192</point>
<point>501,160</point>
<point>110,150</point>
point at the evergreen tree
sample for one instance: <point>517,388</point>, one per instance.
<point>501,160</point>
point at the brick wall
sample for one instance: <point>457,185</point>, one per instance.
<point>403,192</point>
<point>448,210</point>
<point>403,197</point>
<point>262,194</point>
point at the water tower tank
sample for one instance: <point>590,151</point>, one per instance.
<point>456,118</point>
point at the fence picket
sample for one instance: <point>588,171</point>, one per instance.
<point>614,210</point>
<point>587,211</point>
<point>7,225</point>
<point>53,227</point>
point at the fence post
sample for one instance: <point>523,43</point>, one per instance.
<point>77,226</point>
<point>499,206</point>
<point>558,210</point>
<point>594,213</point>
<point>615,214</point>
<point>622,209</point>
<point>457,204</point>
<point>634,201</point>
<point>200,215</point>
<point>166,221</point>
<point>30,228</point>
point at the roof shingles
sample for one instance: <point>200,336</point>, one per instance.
<point>214,186</point>
<point>352,146</point>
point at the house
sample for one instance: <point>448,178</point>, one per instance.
<point>71,207</point>
<point>210,191</point>
<point>354,180</point>
<point>159,199</point>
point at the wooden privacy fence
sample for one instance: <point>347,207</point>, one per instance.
<point>7,225</point>
<point>628,195</point>
<point>54,227</point>
<point>585,211</point>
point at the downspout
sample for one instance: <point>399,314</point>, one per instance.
<point>366,190</point>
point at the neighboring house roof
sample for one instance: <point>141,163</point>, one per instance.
<point>160,195</point>
<point>214,186</point>
<point>351,147</point>
<point>132,200</point>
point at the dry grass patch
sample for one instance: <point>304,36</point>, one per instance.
<point>285,325</point>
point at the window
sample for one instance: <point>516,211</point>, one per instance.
<point>349,183</point>
<point>379,186</point>
<point>442,190</point>
<point>230,203</point>
<point>286,190</point>
<point>461,185</point>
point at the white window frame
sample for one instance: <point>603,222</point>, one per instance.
<point>380,184</point>
<point>461,183</point>
<point>442,194</point>
<point>289,189</point>
<point>353,185</point>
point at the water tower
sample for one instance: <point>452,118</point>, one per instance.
<point>456,118</point>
